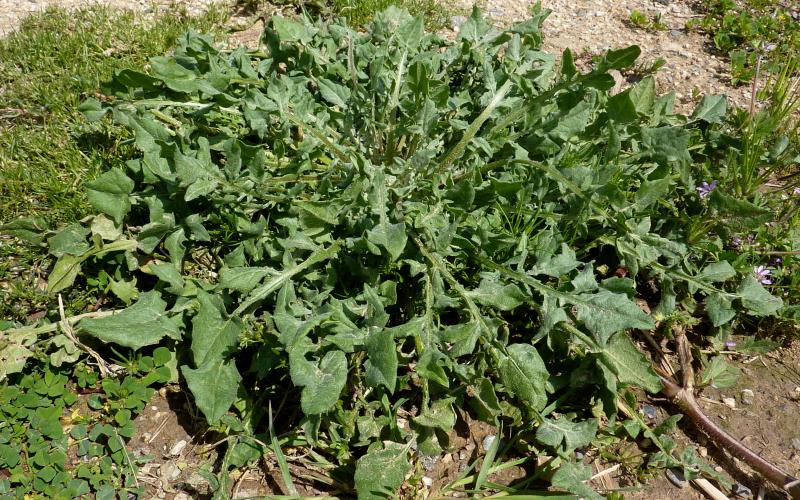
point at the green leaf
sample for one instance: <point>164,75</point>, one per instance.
<point>605,313</point>
<point>630,365</point>
<point>323,389</point>
<point>380,473</point>
<point>564,435</point>
<point>440,414</point>
<point>570,476</point>
<point>214,333</point>
<point>30,229</point>
<point>290,31</point>
<point>381,367</point>
<point>70,240</point>
<point>523,373</point>
<point>64,272</point>
<point>756,299</point>
<point>719,308</point>
<point>144,323</point>
<point>392,237</point>
<point>484,400</point>
<point>619,59</point>
<point>712,109</point>
<point>243,279</point>
<point>717,272</point>
<point>719,373</point>
<point>336,94</point>
<point>109,193</point>
<point>214,386</point>
<point>492,293</point>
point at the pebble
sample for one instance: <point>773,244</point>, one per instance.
<point>649,411</point>
<point>457,21</point>
<point>181,496</point>
<point>178,448</point>
<point>796,443</point>
<point>742,491</point>
<point>488,441</point>
<point>428,482</point>
<point>429,462</point>
<point>747,397</point>
<point>169,471</point>
<point>676,477</point>
<point>729,402</point>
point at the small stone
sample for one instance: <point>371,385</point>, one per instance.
<point>702,451</point>
<point>796,443</point>
<point>742,491</point>
<point>181,496</point>
<point>429,462</point>
<point>676,477</point>
<point>178,448</point>
<point>649,411</point>
<point>729,402</point>
<point>747,397</point>
<point>488,441</point>
<point>428,482</point>
<point>169,471</point>
<point>457,21</point>
<point>663,2</point>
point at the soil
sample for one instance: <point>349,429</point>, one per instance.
<point>177,440</point>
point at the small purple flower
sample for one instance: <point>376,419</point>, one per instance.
<point>796,191</point>
<point>730,345</point>
<point>770,47</point>
<point>736,243</point>
<point>763,273</point>
<point>704,189</point>
<point>776,262</point>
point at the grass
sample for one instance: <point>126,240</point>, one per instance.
<point>47,151</point>
<point>359,12</point>
<point>46,68</point>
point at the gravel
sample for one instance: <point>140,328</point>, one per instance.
<point>589,27</point>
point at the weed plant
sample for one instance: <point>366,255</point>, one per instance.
<point>351,227</point>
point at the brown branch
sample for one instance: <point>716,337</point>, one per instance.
<point>683,397</point>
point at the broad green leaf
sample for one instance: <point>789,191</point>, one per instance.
<point>30,229</point>
<point>494,294</point>
<point>619,59</point>
<point>144,323</point>
<point>243,279</point>
<point>570,476</point>
<point>630,365</point>
<point>564,435</point>
<point>109,194</point>
<point>64,272</point>
<point>290,31</point>
<point>523,373</point>
<point>484,400</point>
<point>719,373</point>
<point>653,191</point>
<point>719,308</point>
<point>323,390</point>
<point>392,237</point>
<point>429,366</point>
<point>605,313</point>
<point>381,367</point>
<point>214,386</point>
<point>756,299</point>
<point>12,359</point>
<point>214,333</point>
<point>712,109</point>
<point>336,94</point>
<point>380,473</point>
<point>440,414</point>
<point>717,272</point>
<point>71,240</point>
